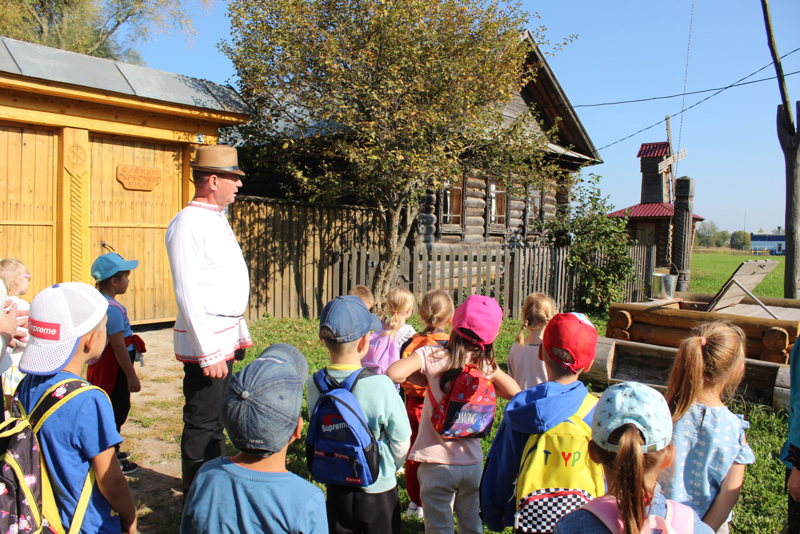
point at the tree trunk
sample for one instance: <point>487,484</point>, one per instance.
<point>398,225</point>
<point>791,153</point>
<point>789,140</point>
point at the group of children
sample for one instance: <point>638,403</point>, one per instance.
<point>561,461</point>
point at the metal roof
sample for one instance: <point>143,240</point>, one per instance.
<point>652,209</point>
<point>51,64</point>
<point>653,150</point>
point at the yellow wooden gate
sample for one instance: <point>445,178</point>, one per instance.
<point>27,199</point>
<point>134,222</point>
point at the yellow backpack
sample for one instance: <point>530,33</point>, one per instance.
<point>556,475</point>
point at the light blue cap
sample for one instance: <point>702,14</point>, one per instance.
<point>636,404</point>
<point>110,264</point>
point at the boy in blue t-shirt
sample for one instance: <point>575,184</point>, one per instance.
<point>114,371</point>
<point>253,492</point>
<point>67,325</point>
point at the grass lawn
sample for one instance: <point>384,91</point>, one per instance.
<point>762,507</point>
<point>711,271</point>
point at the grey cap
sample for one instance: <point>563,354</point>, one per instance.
<point>263,400</point>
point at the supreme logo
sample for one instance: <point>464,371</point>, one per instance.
<point>42,330</point>
<point>352,480</point>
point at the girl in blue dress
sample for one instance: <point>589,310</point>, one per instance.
<point>711,451</point>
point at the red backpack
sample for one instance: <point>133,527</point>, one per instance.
<point>467,410</point>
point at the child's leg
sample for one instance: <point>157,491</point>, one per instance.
<point>350,511</point>
<point>793,523</point>
<point>414,411</point>
<point>120,400</point>
<point>467,500</point>
<point>439,484</point>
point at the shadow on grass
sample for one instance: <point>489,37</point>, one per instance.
<point>159,510</point>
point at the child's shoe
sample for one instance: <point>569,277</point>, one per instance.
<point>414,510</point>
<point>128,467</point>
<point>123,455</point>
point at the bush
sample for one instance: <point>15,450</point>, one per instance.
<point>598,246</point>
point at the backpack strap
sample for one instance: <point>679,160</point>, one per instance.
<point>420,340</point>
<point>48,404</point>
<point>680,517</point>
<point>588,404</point>
<point>606,510</point>
<point>325,382</point>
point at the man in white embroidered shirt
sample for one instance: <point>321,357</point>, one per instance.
<point>212,287</point>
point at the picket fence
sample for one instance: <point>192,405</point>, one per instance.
<point>302,255</point>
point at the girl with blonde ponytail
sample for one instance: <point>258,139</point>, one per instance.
<point>631,439</point>
<point>711,448</point>
<point>524,364</point>
<point>384,346</point>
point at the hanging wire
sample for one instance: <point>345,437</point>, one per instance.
<point>685,80</point>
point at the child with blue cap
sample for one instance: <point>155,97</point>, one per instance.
<point>253,492</point>
<point>113,372</point>
<point>631,439</point>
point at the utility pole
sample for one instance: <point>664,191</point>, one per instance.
<point>789,140</point>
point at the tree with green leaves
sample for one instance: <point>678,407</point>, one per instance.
<point>385,100</point>
<point>598,246</point>
<point>739,240</point>
<point>103,28</point>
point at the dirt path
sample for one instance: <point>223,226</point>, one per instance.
<point>152,434</point>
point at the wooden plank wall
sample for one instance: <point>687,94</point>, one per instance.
<point>27,202</point>
<point>302,255</point>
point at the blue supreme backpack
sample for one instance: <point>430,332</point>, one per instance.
<point>340,449</point>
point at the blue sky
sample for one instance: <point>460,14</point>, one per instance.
<point>633,50</point>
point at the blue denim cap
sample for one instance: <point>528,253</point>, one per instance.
<point>263,400</point>
<point>348,318</point>
<point>110,264</point>
<point>636,404</point>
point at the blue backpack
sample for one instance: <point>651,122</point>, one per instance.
<point>340,449</point>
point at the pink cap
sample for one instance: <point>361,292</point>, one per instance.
<point>482,315</point>
<point>574,333</point>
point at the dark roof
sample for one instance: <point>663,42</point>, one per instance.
<point>51,64</point>
<point>653,150</point>
<point>550,101</point>
<point>653,209</point>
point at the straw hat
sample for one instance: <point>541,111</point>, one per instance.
<point>214,158</point>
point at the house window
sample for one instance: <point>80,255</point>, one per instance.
<point>780,248</point>
<point>453,204</point>
<point>534,208</point>
<point>498,202</point>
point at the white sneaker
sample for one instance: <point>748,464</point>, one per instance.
<point>414,510</point>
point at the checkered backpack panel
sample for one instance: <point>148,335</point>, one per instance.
<point>539,511</point>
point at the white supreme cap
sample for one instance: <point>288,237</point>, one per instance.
<point>59,316</point>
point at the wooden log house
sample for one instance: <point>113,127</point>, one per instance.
<point>96,151</point>
<point>478,210</point>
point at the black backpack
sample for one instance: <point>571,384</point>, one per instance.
<point>27,503</point>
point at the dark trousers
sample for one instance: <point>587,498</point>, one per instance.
<point>351,511</point>
<point>121,397</point>
<point>203,436</point>
<point>794,511</point>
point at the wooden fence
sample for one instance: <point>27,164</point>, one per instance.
<point>506,274</point>
<point>302,255</point>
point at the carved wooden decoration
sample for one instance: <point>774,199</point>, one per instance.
<point>137,178</point>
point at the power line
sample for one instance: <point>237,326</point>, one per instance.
<point>679,94</point>
<point>698,103</point>
<point>685,81</point>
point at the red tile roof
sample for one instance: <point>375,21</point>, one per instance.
<point>655,209</point>
<point>653,150</point>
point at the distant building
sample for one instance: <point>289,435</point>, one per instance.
<point>774,243</point>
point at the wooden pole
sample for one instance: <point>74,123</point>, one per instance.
<point>790,144</point>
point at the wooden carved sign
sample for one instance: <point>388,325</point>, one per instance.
<point>137,178</point>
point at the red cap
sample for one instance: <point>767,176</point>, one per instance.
<point>480,314</point>
<point>574,333</point>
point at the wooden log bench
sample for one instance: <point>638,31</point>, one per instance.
<point>621,360</point>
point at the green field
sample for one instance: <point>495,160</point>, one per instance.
<point>711,271</point>
<point>762,508</point>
